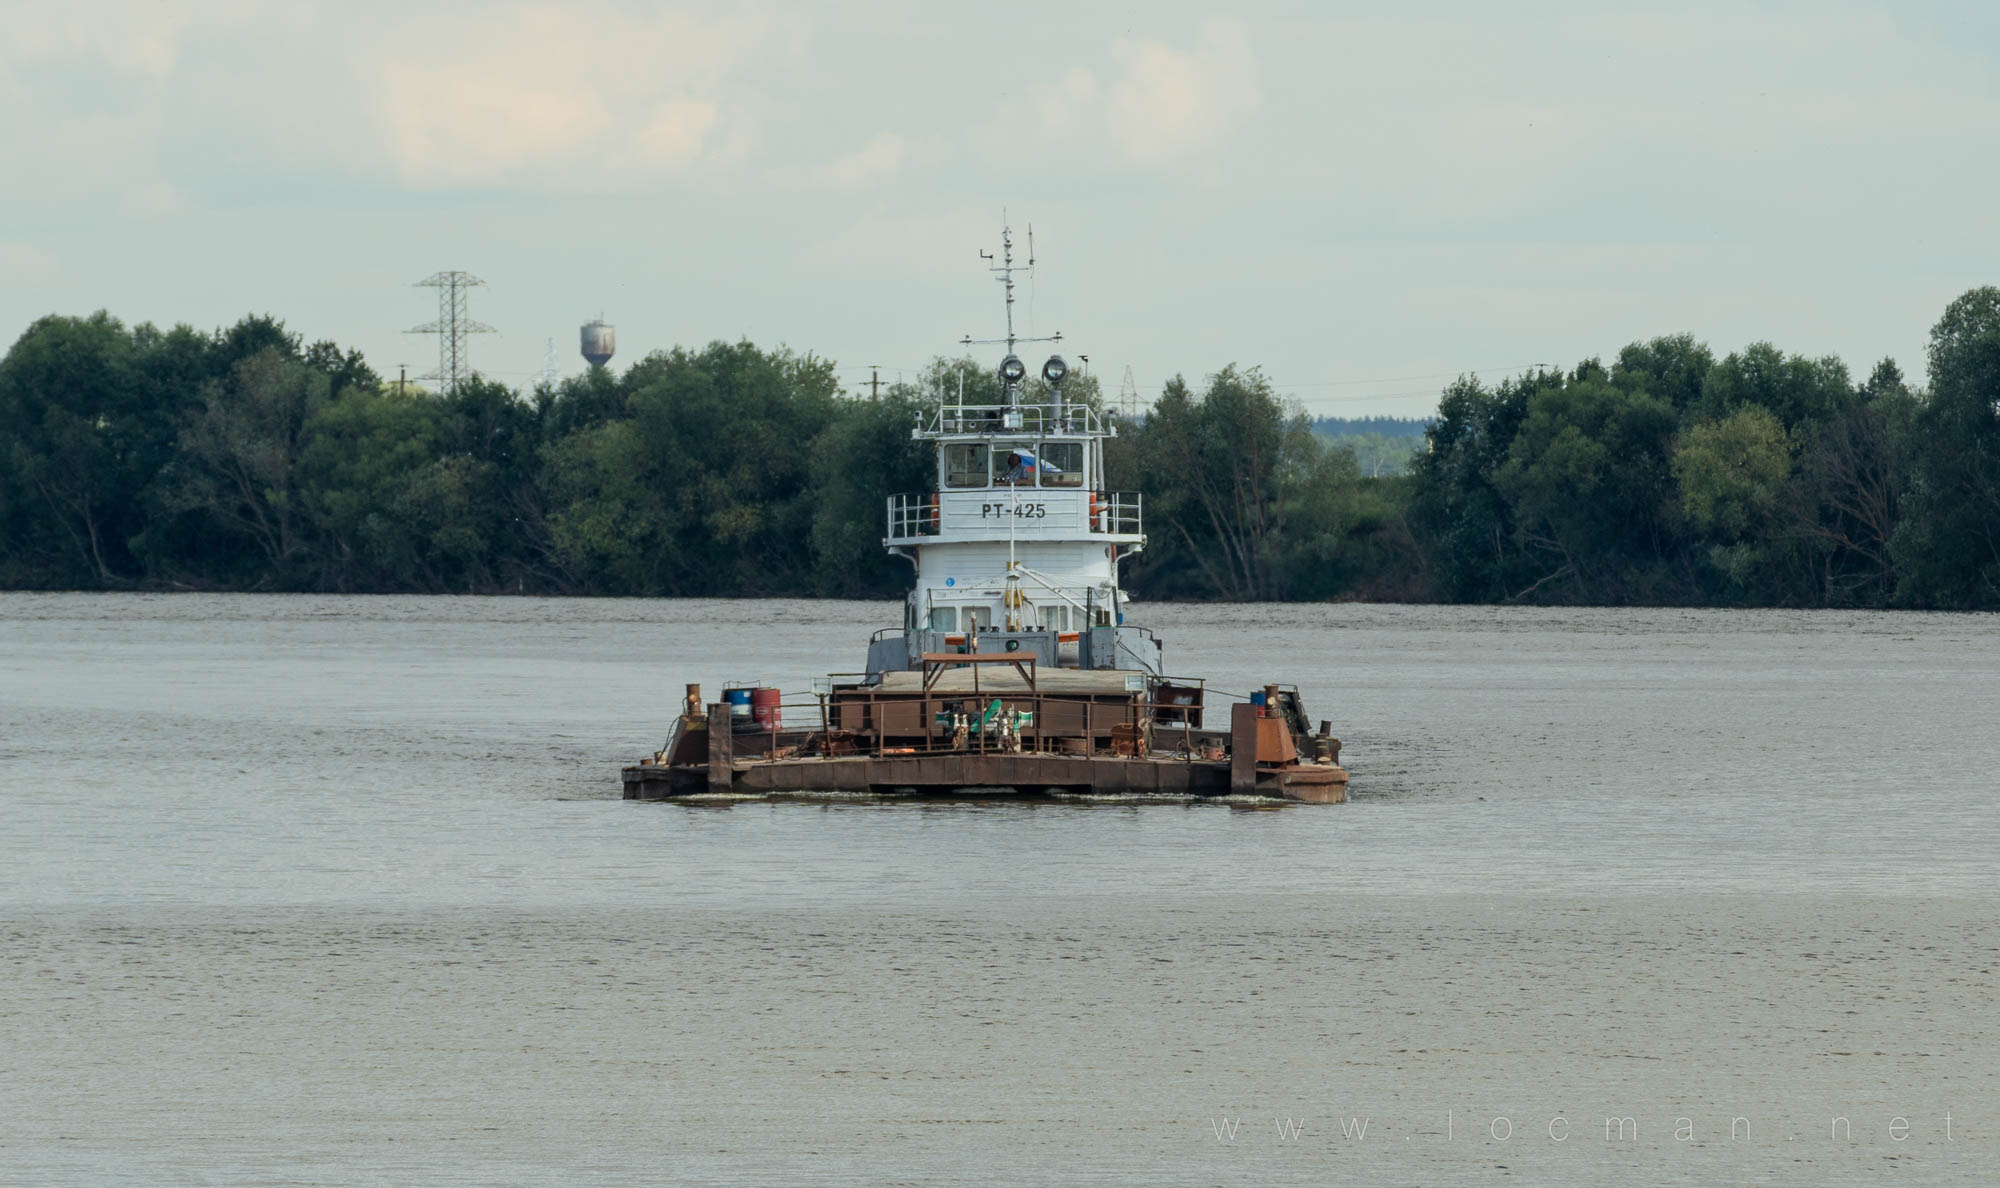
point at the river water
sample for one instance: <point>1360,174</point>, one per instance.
<point>303,890</point>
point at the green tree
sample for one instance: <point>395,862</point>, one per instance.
<point>77,439</point>
<point>865,455</point>
<point>1851,476</point>
<point>239,456</point>
<point>584,402</point>
<point>706,489</point>
<point>1588,481</point>
<point>1346,533</point>
<point>1244,501</point>
<point>1673,368</point>
<point>1796,390</point>
<point>1209,466</point>
<point>1947,542</point>
<point>357,479</point>
<point>1732,472</point>
<point>1733,475</point>
<point>1462,520</point>
<point>481,500</point>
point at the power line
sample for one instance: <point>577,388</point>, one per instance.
<point>1365,396</point>
<point>1401,379</point>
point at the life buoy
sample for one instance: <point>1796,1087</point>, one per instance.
<point>934,516</point>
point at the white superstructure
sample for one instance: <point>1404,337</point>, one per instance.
<point>1017,544</point>
<point>1019,532</point>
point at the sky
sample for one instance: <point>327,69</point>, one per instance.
<point>1362,200</point>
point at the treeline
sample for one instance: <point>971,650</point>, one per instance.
<point>245,459</point>
<point>248,459</point>
<point>1381,445</point>
<point>1338,427</point>
<point>1761,478</point>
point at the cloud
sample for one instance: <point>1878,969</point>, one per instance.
<point>875,161</point>
<point>1164,103</point>
<point>26,264</point>
<point>565,96</point>
<point>926,245</point>
<point>678,131</point>
<point>1171,102</point>
<point>138,37</point>
<point>153,200</point>
<point>1069,104</point>
<point>592,95</point>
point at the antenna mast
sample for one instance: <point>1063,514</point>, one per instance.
<point>1006,271</point>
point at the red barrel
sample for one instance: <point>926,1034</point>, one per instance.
<point>764,708</point>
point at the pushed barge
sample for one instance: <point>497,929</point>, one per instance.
<point>1014,671</point>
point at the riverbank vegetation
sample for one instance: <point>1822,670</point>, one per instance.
<point>247,458</point>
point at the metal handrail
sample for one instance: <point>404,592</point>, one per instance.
<point>989,419</point>
<point>914,515</point>
<point>1118,514</point>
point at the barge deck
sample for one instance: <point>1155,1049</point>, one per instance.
<point>1258,761</point>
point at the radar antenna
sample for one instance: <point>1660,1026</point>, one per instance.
<point>1006,270</point>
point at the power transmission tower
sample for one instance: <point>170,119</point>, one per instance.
<point>452,327</point>
<point>548,376</point>
<point>1128,395</point>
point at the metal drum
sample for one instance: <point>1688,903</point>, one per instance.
<point>739,708</point>
<point>764,708</point>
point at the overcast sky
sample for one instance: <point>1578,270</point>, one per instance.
<point>1348,196</point>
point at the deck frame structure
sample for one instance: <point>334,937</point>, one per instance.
<point>1090,733</point>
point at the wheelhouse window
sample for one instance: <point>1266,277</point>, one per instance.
<point>1015,464</point>
<point>944,618</point>
<point>1062,464</point>
<point>965,464</point>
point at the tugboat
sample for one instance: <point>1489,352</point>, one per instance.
<point>1014,671</point>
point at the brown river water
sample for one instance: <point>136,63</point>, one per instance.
<point>339,890</point>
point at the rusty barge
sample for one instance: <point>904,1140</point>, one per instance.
<point>1014,671</point>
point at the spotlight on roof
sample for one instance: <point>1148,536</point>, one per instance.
<point>1055,370</point>
<point>1012,369</point>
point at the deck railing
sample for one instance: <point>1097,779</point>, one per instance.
<point>1179,715</point>
<point>915,515</point>
<point>950,419</point>
<point>1117,514</point>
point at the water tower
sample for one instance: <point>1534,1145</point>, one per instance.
<point>600,340</point>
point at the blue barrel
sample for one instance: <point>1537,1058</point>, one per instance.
<point>1256,699</point>
<point>739,707</point>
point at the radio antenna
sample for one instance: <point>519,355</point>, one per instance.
<point>1005,271</point>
